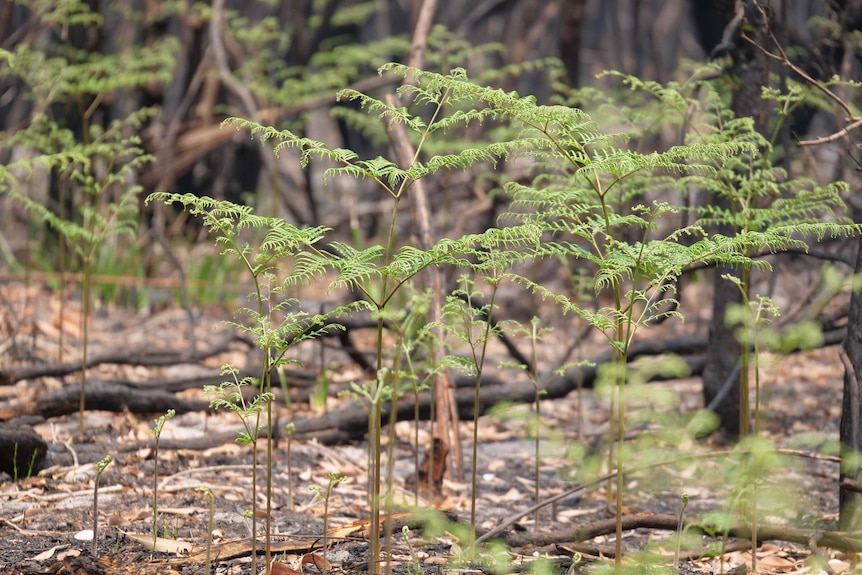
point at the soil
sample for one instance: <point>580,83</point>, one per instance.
<point>46,518</point>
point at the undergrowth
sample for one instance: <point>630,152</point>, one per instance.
<point>628,222</point>
<point>591,200</point>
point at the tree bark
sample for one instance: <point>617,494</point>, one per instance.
<point>723,351</point>
<point>850,502</point>
<point>572,14</point>
<point>850,430</point>
<point>721,380</point>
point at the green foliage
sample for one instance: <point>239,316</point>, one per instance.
<point>325,493</point>
<point>98,169</point>
<point>158,426</point>
<point>100,468</point>
<point>592,200</point>
<point>269,249</point>
<point>620,213</point>
<point>338,61</point>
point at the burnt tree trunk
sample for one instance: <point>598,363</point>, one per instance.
<point>572,17</point>
<point>722,377</point>
<point>850,433</point>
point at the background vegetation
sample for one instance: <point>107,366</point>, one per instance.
<point>724,142</point>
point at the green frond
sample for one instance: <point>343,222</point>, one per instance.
<point>355,267</point>
<point>462,365</point>
<point>383,110</point>
<point>379,168</point>
<point>283,238</point>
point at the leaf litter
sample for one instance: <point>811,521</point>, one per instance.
<point>40,516</point>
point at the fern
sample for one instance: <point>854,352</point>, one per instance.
<point>591,198</point>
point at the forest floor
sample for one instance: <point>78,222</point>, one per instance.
<point>46,519</point>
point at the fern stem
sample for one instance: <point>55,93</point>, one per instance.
<point>479,362</point>
<point>82,400</point>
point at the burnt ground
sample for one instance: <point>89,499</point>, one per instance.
<point>44,518</point>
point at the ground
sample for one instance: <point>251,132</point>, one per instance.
<point>46,520</point>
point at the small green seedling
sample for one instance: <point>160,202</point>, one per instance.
<point>158,426</point>
<point>289,429</point>
<point>413,565</point>
<point>207,492</point>
<point>679,530</point>
<point>325,493</point>
<point>100,467</point>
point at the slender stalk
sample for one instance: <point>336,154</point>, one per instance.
<point>679,530</point>
<point>269,421</point>
<point>621,436</point>
<point>479,363</point>
<point>390,451</point>
<point>82,400</point>
<point>534,376</point>
<point>334,479</point>
<point>374,453</point>
<point>745,362</point>
<point>100,467</point>
<point>157,432</point>
<point>210,524</point>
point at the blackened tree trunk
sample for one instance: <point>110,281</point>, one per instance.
<point>850,502</point>
<point>572,14</point>
<point>722,377</point>
<point>850,431</point>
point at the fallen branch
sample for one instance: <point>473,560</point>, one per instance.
<point>103,396</point>
<point>143,356</point>
<point>765,532</point>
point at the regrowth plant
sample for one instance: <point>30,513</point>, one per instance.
<point>92,162</point>
<point>100,467</point>
<point>325,493</point>
<point>274,319</point>
<point>158,426</point>
<point>207,492</point>
<point>591,199</point>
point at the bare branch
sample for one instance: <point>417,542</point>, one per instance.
<point>845,131</point>
<point>853,120</point>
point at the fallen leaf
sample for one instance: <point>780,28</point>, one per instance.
<point>279,568</point>
<point>362,526</point>
<point>162,545</point>
<point>47,554</point>
<point>117,520</point>
<point>242,548</point>
<point>262,514</point>
<point>768,549</point>
<point>316,560</point>
<point>776,563</point>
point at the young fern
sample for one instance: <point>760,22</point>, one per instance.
<point>594,199</point>
<point>276,321</point>
<point>378,273</point>
<point>591,199</point>
<point>108,206</point>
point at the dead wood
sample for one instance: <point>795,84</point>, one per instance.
<point>350,421</point>
<point>144,356</point>
<point>765,532</point>
<point>22,450</point>
<point>102,396</point>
